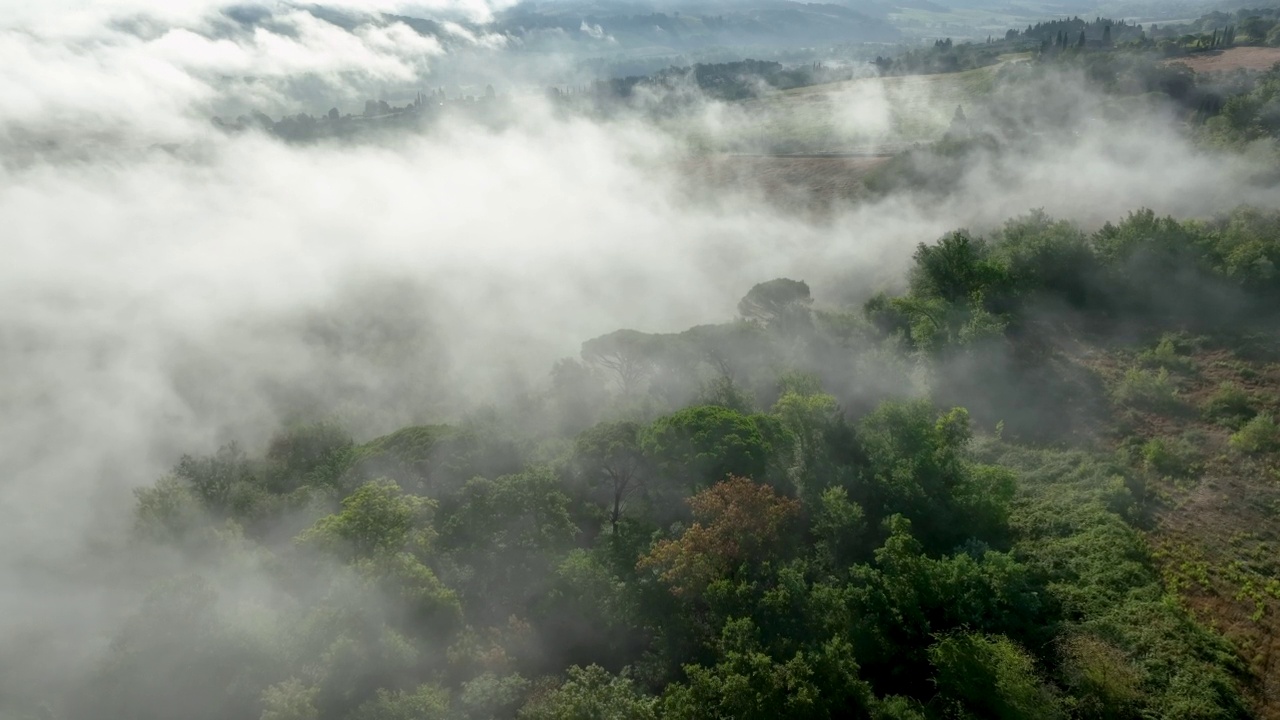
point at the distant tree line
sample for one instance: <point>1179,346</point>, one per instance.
<point>377,116</point>
<point>677,88</point>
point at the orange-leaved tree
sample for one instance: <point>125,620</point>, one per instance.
<point>736,522</point>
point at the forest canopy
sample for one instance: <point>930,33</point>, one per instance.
<point>769,545</point>
<point>555,361</point>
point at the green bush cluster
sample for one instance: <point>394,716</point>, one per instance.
<point>884,568</point>
<point>1259,435</point>
<point>1229,405</point>
<point>1148,390</point>
<point>1165,273</point>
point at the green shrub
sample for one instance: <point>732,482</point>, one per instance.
<point>1103,680</point>
<point>1170,458</point>
<point>896,707</point>
<point>1146,389</point>
<point>1166,354</point>
<point>990,676</point>
<point>1100,571</point>
<point>1229,406</point>
<point>1259,435</point>
<point>590,692</point>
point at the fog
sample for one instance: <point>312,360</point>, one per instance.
<point>160,300</point>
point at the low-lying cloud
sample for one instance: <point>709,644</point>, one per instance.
<point>159,301</point>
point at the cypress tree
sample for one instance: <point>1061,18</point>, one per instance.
<point>1080,42</point>
<point>1106,36</point>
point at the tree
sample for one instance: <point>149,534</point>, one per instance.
<point>502,538</point>
<point>290,700</point>
<point>307,454</point>
<point>775,300</point>
<point>169,512</point>
<point>1047,256</point>
<point>955,268</point>
<point>809,418</point>
<point>521,513</point>
<point>596,609</point>
<point>384,535</point>
<point>590,693</point>
<point>840,528</point>
<point>916,467</point>
<point>736,522</point>
<point>907,598</point>
<point>735,350</point>
<point>991,677</point>
<point>490,695</point>
<point>426,701</point>
<point>748,684</point>
<point>353,656</point>
<point>1106,683</point>
<point>626,353</point>
<point>701,445</point>
<point>377,518</point>
<point>216,479</point>
<point>609,454</point>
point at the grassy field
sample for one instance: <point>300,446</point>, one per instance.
<point>1216,502</point>
<point>1236,58</point>
<point>867,116</point>
<point>792,183</point>
<point>810,149</point>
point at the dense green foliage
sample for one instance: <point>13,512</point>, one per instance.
<point>846,552</point>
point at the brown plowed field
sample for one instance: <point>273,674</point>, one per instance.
<point>1252,58</point>
<point>793,181</point>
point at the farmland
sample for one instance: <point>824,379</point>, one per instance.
<point>1236,58</point>
<point>867,115</point>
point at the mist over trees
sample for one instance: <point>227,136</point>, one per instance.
<point>476,401</point>
<point>794,544</point>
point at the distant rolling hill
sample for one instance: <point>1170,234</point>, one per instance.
<point>758,23</point>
